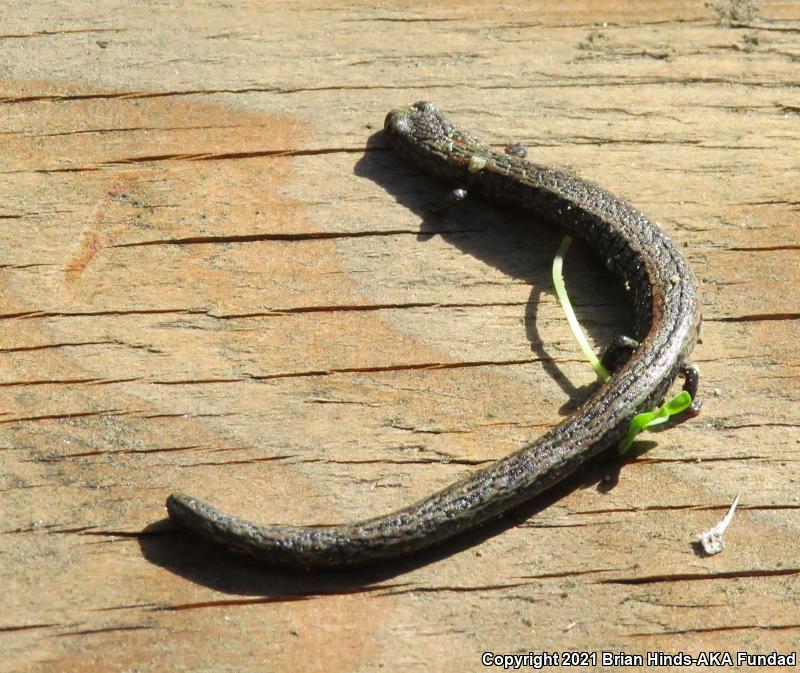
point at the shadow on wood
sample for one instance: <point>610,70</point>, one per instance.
<point>164,545</point>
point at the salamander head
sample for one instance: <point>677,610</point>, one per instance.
<point>421,122</point>
<point>424,136</point>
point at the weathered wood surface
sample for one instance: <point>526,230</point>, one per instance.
<point>209,282</point>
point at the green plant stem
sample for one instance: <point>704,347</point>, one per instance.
<point>561,292</point>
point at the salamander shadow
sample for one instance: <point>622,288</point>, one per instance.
<point>519,244</point>
<point>164,545</point>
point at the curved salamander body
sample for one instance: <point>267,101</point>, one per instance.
<point>667,321</point>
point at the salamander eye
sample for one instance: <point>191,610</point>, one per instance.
<point>402,124</point>
<point>425,107</point>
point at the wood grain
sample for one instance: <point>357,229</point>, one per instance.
<point>216,278</point>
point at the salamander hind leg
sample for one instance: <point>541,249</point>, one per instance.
<point>691,379</point>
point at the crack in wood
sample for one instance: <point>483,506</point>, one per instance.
<point>289,598</point>
<point>91,314</point>
<point>756,317</point>
<point>702,577</point>
<point>299,236</point>
<point>28,627</point>
<point>65,344</point>
<point>400,368</point>
<point>244,461</point>
<point>106,452</point>
<point>46,382</point>
<point>766,248</point>
<point>715,629</point>
<point>455,589</point>
<point>110,629</point>
<point>75,414</point>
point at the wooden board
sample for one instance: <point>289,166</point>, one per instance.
<point>216,278</point>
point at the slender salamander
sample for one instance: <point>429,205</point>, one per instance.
<point>667,310</point>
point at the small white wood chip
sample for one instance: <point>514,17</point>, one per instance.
<point>711,540</point>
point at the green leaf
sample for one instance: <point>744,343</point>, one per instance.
<point>681,402</point>
<point>648,419</point>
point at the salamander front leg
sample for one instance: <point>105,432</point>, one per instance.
<point>453,198</point>
<point>617,353</point>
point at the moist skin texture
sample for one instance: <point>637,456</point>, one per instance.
<point>667,310</point>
